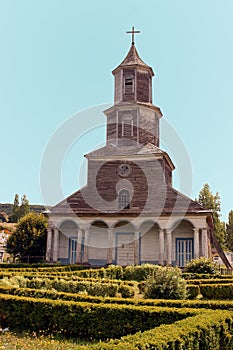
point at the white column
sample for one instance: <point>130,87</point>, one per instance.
<point>161,246</point>
<point>55,244</point>
<point>49,244</point>
<point>110,246</point>
<point>86,243</point>
<point>196,243</point>
<point>204,243</point>
<point>79,244</point>
<point>136,248</point>
<point>169,246</point>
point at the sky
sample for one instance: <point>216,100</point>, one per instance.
<point>56,61</point>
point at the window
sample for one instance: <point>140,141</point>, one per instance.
<point>129,84</point>
<point>123,199</point>
<point>127,126</point>
<point>184,251</point>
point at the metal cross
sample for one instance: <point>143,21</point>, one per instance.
<point>133,32</point>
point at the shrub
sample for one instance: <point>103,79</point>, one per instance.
<point>193,291</point>
<point>85,320</point>
<point>202,265</point>
<point>213,330</point>
<point>114,272</point>
<point>139,272</point>
<point>126,291</point>
<point>217,291</point>
<point>165,283</point>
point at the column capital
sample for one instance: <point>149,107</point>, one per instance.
<point>195,229</point>
<point>85,227</point>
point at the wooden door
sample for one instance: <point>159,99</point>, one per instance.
<point>125,249</point>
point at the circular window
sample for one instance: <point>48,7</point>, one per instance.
<point>123,170</point>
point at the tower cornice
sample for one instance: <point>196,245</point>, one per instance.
<point>131,106</point>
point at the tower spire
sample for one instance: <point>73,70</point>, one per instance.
<point>133,32</point>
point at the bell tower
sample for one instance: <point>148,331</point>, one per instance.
<point>133,119</point>
<point>133,78</point>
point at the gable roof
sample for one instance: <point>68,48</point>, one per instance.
<point>174,203</point>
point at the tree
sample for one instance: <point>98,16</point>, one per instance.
<point>24,207</point>
<point>15,214</point>
<point>3,217</point>
<point>212,201</point>
<point>18,211</point>
<point>29,239</point>
<point>229,231</point>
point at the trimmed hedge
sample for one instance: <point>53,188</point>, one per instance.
<point>93,287</point>
<point>84,320</point>
<point>217,291</point>
<point>211,330</point>
<point>193,291</point>
<point>41,267</point>
<point>54,295</point>
<point>210,281</point>
<point>189,276</point>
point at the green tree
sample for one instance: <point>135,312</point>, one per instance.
<point>229,231</point>
<point>212,201</point>
<point>29,239</point>
<point>15,214</point>
<point>18,211</point>
<point>24,207</point>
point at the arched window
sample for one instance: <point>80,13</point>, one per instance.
<point>123,199</point>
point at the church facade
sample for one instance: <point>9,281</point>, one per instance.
<point>129,212</point>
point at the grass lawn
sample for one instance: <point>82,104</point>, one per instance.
<point>12,341</point>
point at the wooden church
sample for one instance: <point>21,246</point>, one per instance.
<point>129,213</point>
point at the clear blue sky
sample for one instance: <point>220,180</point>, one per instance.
<point>56,60</point>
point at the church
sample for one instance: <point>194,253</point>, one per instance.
<point>128,212</point>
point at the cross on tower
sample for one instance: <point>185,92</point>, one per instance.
<point>133,32</point>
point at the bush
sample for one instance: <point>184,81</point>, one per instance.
<point>139,272</point>
<point>112,272</point>
<point>126,291</point>
<point>213,330</point>
<point>217,291</point>
<point>165,283</point>
<point>85,320</point>
<point>193,291</point>
<point>202,265</point>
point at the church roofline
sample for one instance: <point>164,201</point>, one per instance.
<point>138,154</point>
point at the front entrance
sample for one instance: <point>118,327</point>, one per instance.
<point>124,249</point>
<point>184,251</point>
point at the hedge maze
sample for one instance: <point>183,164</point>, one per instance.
<point>106,308</point>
